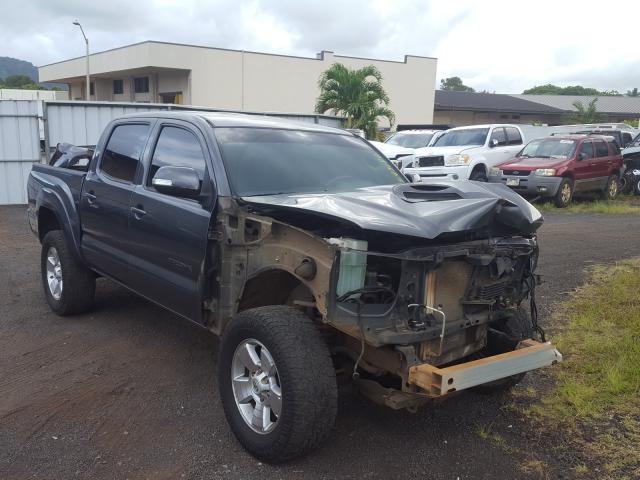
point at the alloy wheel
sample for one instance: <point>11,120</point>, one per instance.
<point>256,386</point>
<point>54,273</point>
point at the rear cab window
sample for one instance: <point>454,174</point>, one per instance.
<point>513,136</point>
<point>122,153</point>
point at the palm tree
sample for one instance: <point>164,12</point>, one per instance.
<point>588,114</point>
<point>355,94</point>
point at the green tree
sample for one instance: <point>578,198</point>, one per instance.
<point>550,89</point>
<point>455,84</point>
<point>17,81</point>
<point>633,93</point>
<point>357,95</point>
<point>585,114</point>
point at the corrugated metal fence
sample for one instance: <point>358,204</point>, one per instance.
<point>19,148</point>
<point>22,129</point>
<point>81,123</point>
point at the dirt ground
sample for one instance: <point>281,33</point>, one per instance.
<point>129,391</point>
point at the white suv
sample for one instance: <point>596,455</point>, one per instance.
<point>467,152</point>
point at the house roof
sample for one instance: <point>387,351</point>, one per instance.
<point>451,100</point>
<point>605,104</point>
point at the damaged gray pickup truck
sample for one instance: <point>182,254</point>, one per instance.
<point>308,252</point>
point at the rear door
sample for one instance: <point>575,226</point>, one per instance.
<point>168,234</point>
<point>104,204</point>
<point>584,167</point>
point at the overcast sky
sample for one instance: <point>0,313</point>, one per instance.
<point>502,46</point>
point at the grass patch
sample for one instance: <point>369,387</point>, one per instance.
<point>622,205</point>
<point>597,394</point>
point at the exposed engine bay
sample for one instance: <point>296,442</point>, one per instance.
<point>396,301</point>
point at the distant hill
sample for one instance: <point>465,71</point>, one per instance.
<point>14,66</point>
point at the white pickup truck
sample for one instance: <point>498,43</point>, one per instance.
<point>467,153</point>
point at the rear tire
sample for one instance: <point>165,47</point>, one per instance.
<point>611,188</point>
<point>563,197</point>
<point>69,286</point>
<point>517,328</point>
<point>300,389</point>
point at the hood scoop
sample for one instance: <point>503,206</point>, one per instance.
<point>425,193</point>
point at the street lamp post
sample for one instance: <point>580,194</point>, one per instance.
<point>86,41</point>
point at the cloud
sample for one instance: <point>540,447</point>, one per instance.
<point>497,45</point>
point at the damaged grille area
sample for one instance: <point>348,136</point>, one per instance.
<point>441,299</point>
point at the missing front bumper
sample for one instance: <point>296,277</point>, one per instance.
<point>437,382</point>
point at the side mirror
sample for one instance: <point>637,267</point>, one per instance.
<point>177,181</point>
<point>582,156</point>
<point>415,178</point>
<point>493,143</point>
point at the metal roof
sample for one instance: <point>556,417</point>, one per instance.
<point>605,104</point>
<point>451,100</point>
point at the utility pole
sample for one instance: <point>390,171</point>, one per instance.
<point>86,41</point>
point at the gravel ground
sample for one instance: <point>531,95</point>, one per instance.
<point>129,390</point>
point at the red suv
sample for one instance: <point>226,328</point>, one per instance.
<point>557,167</point>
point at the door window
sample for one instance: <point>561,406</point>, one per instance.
<point>513,136</point>
<point>601,149</point>
<point>626,139</point>
<point>499,135</point>
<point>586,151</point>
<point>122,153</point>
<point>177,147</point>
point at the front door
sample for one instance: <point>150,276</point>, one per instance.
<point>168,234</point>
<point>104,205</point>
<point>584,167</point>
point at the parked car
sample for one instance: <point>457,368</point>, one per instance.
<point>467,152</point>
<point>306,250</point>
<point>622,137</point>
<point>559,166</point>
<point>399,156</point>
<point>411,138</point>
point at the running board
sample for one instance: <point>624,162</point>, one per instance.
<point>440,381</point>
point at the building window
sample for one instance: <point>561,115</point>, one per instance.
<point>92,89</point>
<point>515,117</point>
<point>141,85</point>
<point>118,87</point>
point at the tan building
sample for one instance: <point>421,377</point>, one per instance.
<point>235,80</point>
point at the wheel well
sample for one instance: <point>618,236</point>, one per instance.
<point>479,167</point>
<point>47,221</point>
<point>273,287</point>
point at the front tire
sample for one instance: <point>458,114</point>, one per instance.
<point>69,286</point>
<point>563,197</point>
<point>277,383</point>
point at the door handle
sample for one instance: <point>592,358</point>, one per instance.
<point>91,199</point>
<point>593,164</point>
<point>138,213</point>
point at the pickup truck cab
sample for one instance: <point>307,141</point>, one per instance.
<point>308,252</point>
<point>467,153</point>
<point>557,167</point>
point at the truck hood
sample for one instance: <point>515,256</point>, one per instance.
<point>418,210</point>
<point>392,151</point>
<point>528,164</point>
<point>444,151</point>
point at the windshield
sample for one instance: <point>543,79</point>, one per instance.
<point>463,137</point>
<point>261,161</point>
<point>409,140</point>
<point>549,148</point>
